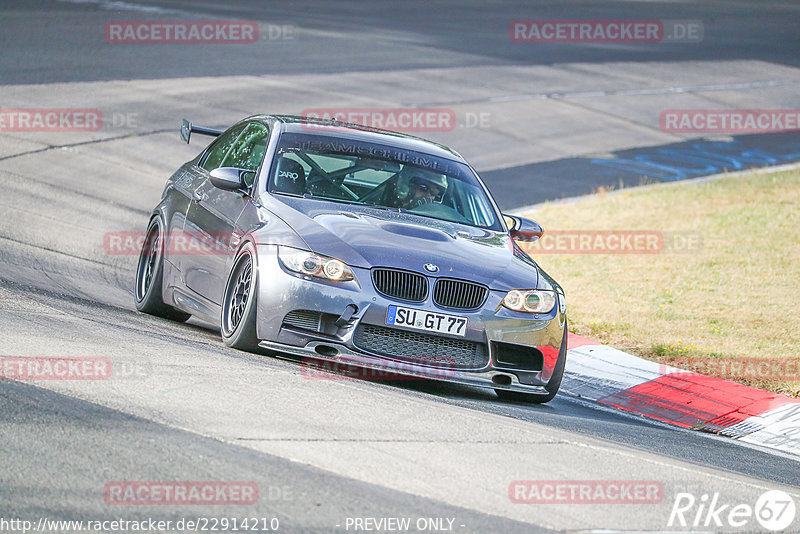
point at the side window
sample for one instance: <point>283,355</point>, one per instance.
<point>248,150</point>
<point>219,149</point>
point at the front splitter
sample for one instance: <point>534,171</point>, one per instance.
<point>343,355</point>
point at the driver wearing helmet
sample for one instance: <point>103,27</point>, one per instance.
<point>424,189</point>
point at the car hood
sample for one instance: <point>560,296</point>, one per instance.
<point>368,237</point>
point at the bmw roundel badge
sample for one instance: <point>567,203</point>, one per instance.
<point>431,268</point>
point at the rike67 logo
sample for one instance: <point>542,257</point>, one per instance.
<point>774,510</point>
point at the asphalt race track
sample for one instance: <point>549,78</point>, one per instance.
<point>538,121</point>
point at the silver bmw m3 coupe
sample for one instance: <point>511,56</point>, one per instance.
<point>345,244</point>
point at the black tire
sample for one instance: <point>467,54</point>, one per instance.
<point>552,386</point>
<point>239,303</point>
<point>149,276</point>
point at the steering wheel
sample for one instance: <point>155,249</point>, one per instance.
<point>315,177</point>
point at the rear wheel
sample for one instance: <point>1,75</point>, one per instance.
<point>238,320</point>
<point>149,275</point>
<point>552,386</point>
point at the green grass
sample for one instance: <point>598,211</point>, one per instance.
<point>734,297</point>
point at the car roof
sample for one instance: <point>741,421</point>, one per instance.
<point>298,124</point>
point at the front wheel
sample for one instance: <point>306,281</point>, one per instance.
<point>552,386</point>
<point>238,320</point>
<point>149,275</point>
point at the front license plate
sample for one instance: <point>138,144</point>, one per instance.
<point>428,321</point>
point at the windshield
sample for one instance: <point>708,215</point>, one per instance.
<point>355,172</point>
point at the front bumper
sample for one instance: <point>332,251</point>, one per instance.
<point>493,327</point>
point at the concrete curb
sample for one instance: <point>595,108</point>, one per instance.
<point>622,381</point>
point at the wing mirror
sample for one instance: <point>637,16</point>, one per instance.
<point>522,229</point>
<point>231,178</point>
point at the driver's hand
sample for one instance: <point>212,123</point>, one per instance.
<point>420,201</point>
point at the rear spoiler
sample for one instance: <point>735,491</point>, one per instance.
<point>187,129</point>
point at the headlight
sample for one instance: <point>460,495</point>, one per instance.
<point>317,265</point>
<point>531,301</point>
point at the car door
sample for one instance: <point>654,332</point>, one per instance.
<point>192,176</point>
<point>212,215</point>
